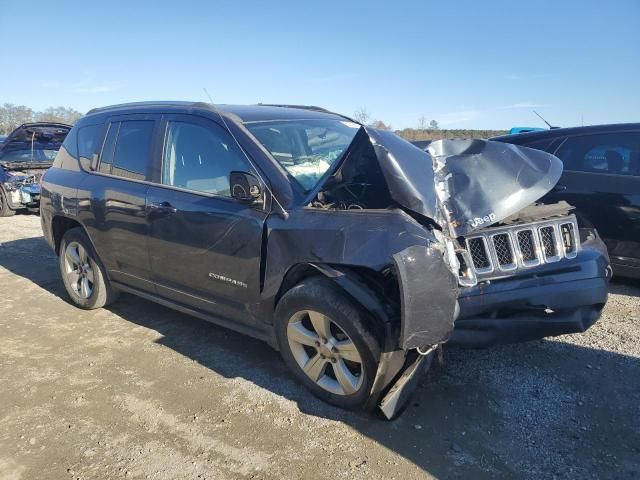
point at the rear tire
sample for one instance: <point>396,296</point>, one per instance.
<point>324,339</point>
<point>82,272</point>
<point>5,210</point>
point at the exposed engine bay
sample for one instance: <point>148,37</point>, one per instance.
<point>357,184</point>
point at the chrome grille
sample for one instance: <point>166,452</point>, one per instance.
<point>527,246</point>
<point>548,241</point>
<point>502,246</point>
<point>497,252</point>
<point>479,255</point>
<point>569,240</point>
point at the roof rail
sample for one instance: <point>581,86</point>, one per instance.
<point>313,108</point>
<point>146,104</point>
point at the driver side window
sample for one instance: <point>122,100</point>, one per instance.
<point>200,158</point>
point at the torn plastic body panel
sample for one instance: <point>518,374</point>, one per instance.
<point>349,245</point>
<point>374,240</point>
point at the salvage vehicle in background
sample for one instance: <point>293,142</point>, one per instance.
<point>25,155</point>
<point>345,247</point>
<point>601,179</point>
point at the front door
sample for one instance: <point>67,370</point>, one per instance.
<point>204,246</point>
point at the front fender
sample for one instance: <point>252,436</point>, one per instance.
<point>428,292</point>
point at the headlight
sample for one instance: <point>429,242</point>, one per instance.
<point>10,186</point>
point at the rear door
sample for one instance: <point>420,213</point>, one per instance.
<point>204,246</point>
<point>118,197</point>
<point>601,179</point>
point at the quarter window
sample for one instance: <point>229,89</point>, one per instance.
<point>612,153</point>
<point>201,158</point>
<point>88,144</point>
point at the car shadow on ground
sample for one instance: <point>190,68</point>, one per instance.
<point>545,408</point>
<point>625,286</point>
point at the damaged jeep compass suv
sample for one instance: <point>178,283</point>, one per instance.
<point>345,247</point>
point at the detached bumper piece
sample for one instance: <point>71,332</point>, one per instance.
<point>398,397</point>
<point>397,379</point>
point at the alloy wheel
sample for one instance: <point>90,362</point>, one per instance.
<point>325,353</point>
<point>78,270</point>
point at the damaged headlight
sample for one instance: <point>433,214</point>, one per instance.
<point>10,186</point>
<point>458,260</point>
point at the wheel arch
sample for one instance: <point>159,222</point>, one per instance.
<point>357,283</point>
<point>59,226</point>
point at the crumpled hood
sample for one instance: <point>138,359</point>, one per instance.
<point>464,185</point>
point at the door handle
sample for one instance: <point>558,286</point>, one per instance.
<point>559,188</point>
<point>162,207</point>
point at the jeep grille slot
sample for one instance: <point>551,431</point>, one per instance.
<point>548,241</point>
<point>479,254</point>
<point>568,238</point>
<point>527,246</point>
<point>500,251</point>
<point>504,252</point>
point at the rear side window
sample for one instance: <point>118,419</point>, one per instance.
<point>89,144</point>
<point>201,158</point>
<point>132,149</point>
<point>611,153</point>
<point>106,159</point>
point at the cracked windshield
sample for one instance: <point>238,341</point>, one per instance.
<point>305,148</point>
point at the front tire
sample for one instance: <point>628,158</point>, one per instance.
<point>326,340</point>
<point>82,272</point>
<point>5,209</point>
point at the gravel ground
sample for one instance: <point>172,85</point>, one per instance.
<point>140,391</point>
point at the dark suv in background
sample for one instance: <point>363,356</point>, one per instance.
<point>601,179</point>
<point>347,248</point>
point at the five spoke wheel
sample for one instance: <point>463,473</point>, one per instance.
<point>78,270</point>
<point>324,352</point>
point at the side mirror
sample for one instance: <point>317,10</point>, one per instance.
<point>245,187</point>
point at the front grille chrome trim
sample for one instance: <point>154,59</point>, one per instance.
<point>534,262</point>
<point>506,266</point>
<point>528,243</point>
<point>482,270</point>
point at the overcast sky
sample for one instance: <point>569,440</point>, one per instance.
<point>467,64</point>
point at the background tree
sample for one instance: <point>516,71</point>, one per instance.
<point>433,125</point>
<point>380,125</point>
<point>362,115</point>
<point>422,123</point>
<point>13,115</point>
<point>58,114</point>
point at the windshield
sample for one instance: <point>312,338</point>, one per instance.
<point>306,149</point>
<point>26,155</point>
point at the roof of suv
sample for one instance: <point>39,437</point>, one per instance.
<point>246,113</point>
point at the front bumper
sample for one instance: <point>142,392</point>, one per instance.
<point>23,196</point>
<point>556,299</point>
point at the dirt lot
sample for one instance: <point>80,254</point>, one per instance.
<point>140,391</point>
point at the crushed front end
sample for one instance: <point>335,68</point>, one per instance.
<point>22,188</point>
<point>535,278</point>
<point>525,270</point>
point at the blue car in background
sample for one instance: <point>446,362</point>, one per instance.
<point>25,155</point>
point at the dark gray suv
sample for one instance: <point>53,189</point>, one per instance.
<point>345,247</point>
